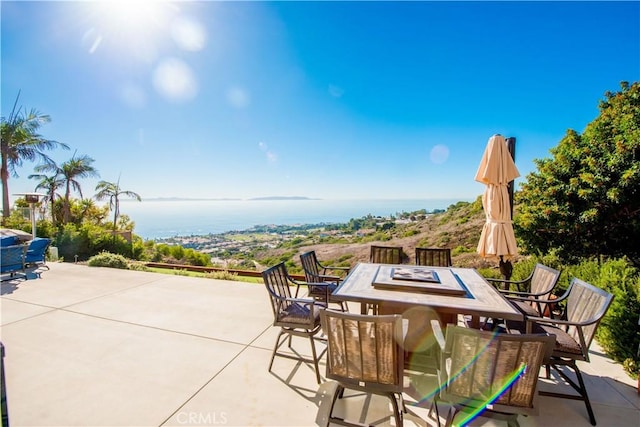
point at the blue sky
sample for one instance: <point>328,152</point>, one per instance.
<point>318,99</point>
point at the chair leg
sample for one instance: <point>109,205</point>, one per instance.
<point>585,395</point>
<point>315,359</point>
<point>548,370</point>
<point>434,404</point>
<point>513,422</point>
<point>580,388</point>
<point>275,349</point>
<point>450,416</point>
<point>396,410</point>
<point>337,394</point>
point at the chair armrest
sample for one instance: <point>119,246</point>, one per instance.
<point>521,294</point>
<point>303,301</point>
<point>501,283</point>
<point>529,299</point>
<point>555,322</point>
<point>294,281</point>
<point>330,267</point>
<point>514,282</point>
<point>566,323</point>
<point>324,284</point>
<point>326,268</point>
<point>329,278</point>
<point>324,290</point>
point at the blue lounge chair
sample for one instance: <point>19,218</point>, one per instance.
<point>8,241</point>
<point>37,251</point>
<point>12,260</point>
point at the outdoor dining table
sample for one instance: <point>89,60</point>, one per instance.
<point>450,292</point>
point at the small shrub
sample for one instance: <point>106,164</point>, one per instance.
<point>461,250</point>
<point>181,272</point>
<point>411,232</point>
<point>106,259</point>
<point>632,367</point>
<point>138,266</point>
<point>222,275</point>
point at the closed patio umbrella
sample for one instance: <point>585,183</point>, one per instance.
<point>496,170</point>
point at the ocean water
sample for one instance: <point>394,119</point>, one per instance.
<point>170,218</point>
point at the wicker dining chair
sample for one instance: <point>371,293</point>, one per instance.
<point>364,353</point>
<point>385,254</point>
<point>585,306</point>
<point>534,296</point>
<point>437,257</point>
<point>487,374</point>
<point>315,273</point>
<point>295,316</point>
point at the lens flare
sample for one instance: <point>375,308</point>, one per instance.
<point>188,34</point>
<point>175,80</point>
<point>464,417</point>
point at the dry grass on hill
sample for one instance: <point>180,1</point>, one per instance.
<point>458,228</point>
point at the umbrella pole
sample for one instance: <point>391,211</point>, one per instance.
<point>511,146</point>
<point>506,269</point>
<point>505,266</point>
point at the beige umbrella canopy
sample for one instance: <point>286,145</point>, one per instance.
<point>496,170</point>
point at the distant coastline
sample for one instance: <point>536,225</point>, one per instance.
<point>284,198</point>
<point>205,199</point>
<point>169,217</point>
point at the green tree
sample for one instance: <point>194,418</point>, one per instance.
<point>113,192</point>
<point>585,200</point>
<point>50,184</point>
<point>20,141</point>
<point>69,173</point>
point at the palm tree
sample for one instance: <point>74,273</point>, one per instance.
<point>50,184</point>
<point>20,141</point>
<point>113,191</point>
<point>68,173</point>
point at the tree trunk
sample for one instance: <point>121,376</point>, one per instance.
<point>4,173</point>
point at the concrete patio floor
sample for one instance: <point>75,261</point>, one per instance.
<point>103,347</point>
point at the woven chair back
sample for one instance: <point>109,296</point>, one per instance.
<point>386,254</point>
<point>543,280</point>
<point>309,262</point>
<point>364,352</point>
<point>484,367</point>
<point>437,257</point>
<point>278,285</point>
<point>586,303</point>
